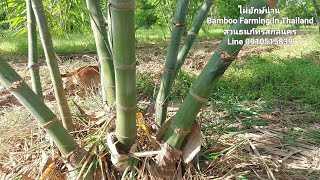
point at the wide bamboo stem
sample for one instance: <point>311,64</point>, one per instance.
<point>45,118</point>
<point>171,61</point>
<point>52,63</point>
<point>123,48</point>
<point>33,52</point>
<point>203,87</point>
<point>192,34</point>
<point>103,51</point>
<point>43,115</point>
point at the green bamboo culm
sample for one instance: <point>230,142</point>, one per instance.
<point>103,51</point>
<point>52,63</point>
<point>192,34</point>
<point>123,48</point>
<point>171,61</point>
<point>33,64</point>
<point>203,87</point>
<point>43,115</point>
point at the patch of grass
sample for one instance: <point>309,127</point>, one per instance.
<point>155,35</point>
<point>303,44</point>
<point>211,32</point>
<point>145,86</point>
<point>313,134</point>
<point>261,78</point>
<point>162,35</point>
<point>297,135</point>
<point>181,86</point>
<point>13,45</point>
<point>74,43</point>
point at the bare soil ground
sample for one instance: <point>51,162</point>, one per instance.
<point>251,152</point>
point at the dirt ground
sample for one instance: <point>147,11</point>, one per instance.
<point>254,152</point>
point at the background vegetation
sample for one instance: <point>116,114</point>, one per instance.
<point>72,16</point>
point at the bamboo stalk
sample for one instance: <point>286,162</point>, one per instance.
<point>171,61</point>
<point>32,51</point>
<point>202,88</point>
<point>103,51</point>
<point>45,118</point>
<point>43,115</point>
<point>52,63</point>
<point>123,48</point>
<point>192,34</point>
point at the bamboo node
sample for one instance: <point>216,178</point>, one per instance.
<point>46,37</point>
<point>15,85</point>
<point>163,104</point>
<point>127,108</point>
<point>225,55</point>
<point>169,71</point>
<point>271,3</point>
<point>126,6</point>
<point>30,22</point>
<point>179,131</point>
<point>208,1</point>
<point>177,23</point>
<point>106,59</point>
<point>37,7</point>
<point>192,33</point>
<point>126,67</point>
<point>49,123</point>
<point>179,62</point>
<point>197,97</point>
<point>34,66</point>
<point>122,137</point>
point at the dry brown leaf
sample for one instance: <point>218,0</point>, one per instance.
<point>165,164</point>
<point>96,115</point>
<point>45,161</point>
<point>81,111</point>
<point>26,177</point>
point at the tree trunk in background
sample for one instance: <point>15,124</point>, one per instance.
<point>52,63</point>
<point>171,61</point>
<point>123,48</point>
<point>192,34</point>
<point>33,52</point>
<point>202,88</point>
<point>316,6</point>
<point>104,52</point>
